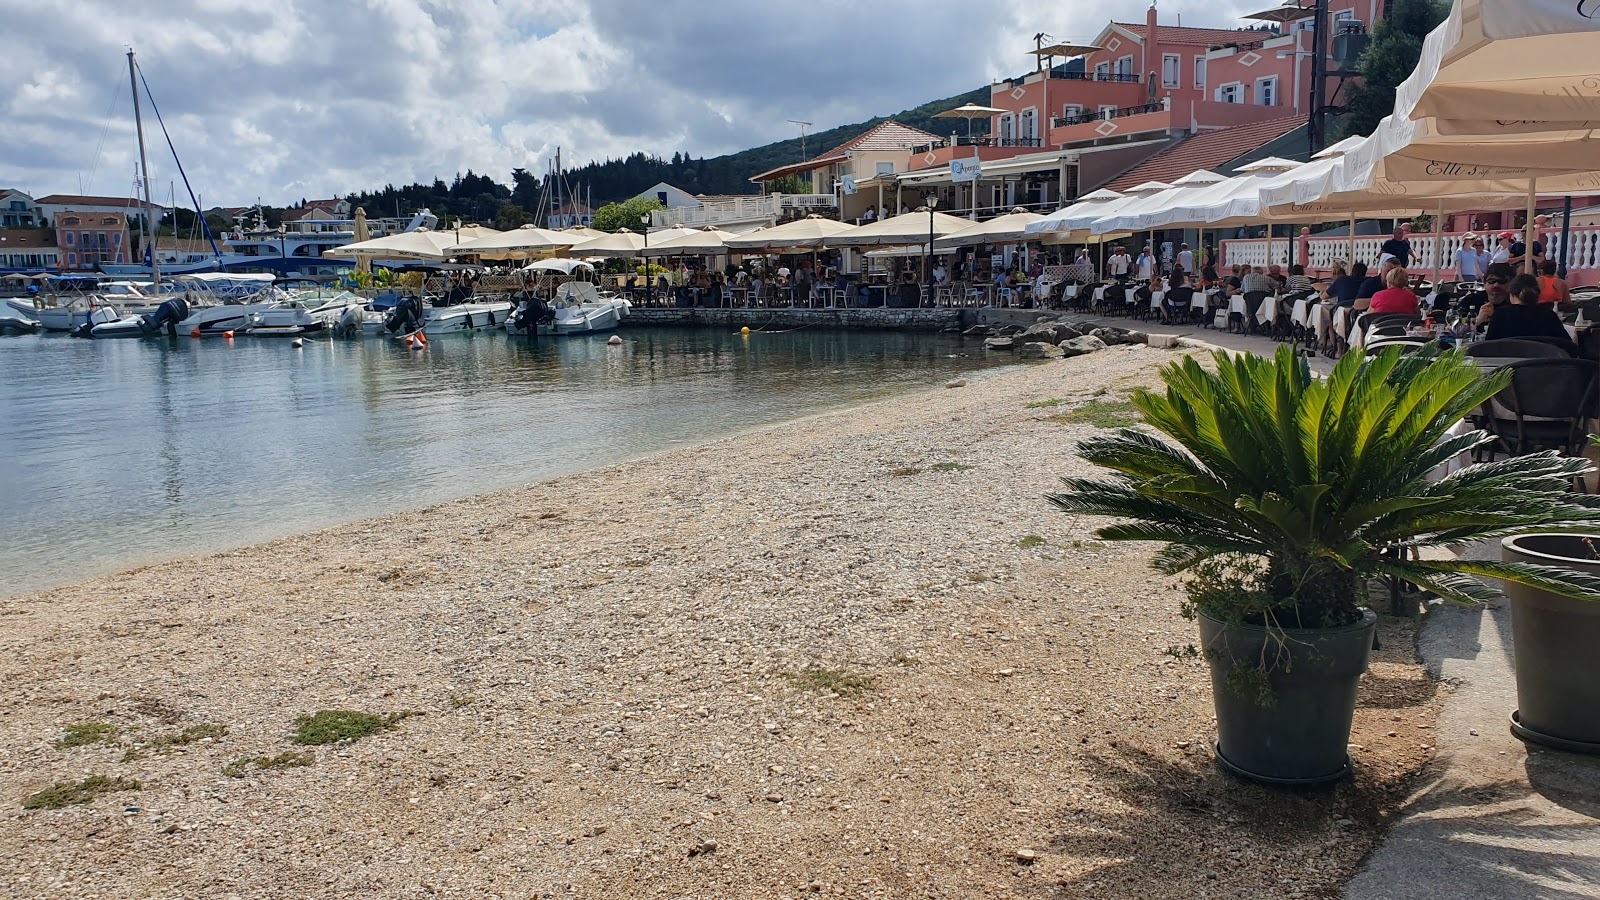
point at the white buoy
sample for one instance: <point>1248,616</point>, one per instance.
<point>296,343</point>
<point>614,340</point>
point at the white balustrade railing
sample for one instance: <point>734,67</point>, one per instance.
<point>1582,256</point>
<point>742,210</point>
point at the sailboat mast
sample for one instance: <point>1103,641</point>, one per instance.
<point>144,175</point>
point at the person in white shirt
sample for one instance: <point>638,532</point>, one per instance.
<point>1119,265</point>
<point>1186,258</point>
<point>940,276</point>
<point>1147,264</point>
<point>1471,260</point>
<point>1502,253</point>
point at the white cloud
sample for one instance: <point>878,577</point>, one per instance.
<point>300,98</point>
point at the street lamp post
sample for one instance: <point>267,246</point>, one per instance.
<point>649,283</point>
<point>933,201</point>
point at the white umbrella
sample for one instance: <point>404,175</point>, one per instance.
<point>1212,203</point>
<point>582,233</point>
<point>559,264</point>
<point>1507,61</point>
<point>1094,201</point>
<point>1080,215</point>
<point>969,112</point>
<point>518,242</point>
<point>900,230</point>
<point>422,243</point>
<point>802,234</point>
<point>695,243</point>
<point>1007,229</point>
<point>1132,216</point>
<point>623,243</point>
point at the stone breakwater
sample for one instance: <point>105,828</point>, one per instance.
<point>854,655</point>
<point>774,319</point>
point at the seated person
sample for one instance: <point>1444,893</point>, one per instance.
<point>1275,272</point>
<point>1258,280</point>
<point>1495,294</point>
<point>1297,281</point>
<point>1552,290</point>
<point>1346,286</point>
<point>1397,297</point>
<point>1524,316</point>
<point>1374,283</point>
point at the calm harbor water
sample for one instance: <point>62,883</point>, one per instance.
<point>117,452</point>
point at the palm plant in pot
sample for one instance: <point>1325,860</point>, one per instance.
<point>1284,494</point>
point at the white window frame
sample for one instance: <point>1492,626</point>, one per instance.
<point>1028,124</point>
<point>1105,108</point>
<point>1176,63</point>
<point>1234,86</point>
<point>1200,73</point>
<point>1265,81</point>
<point>1008,127</point>
<point>1125,65</point>
<point>1102,71</point>
<point>1344,15</point>
<point>1071,110</point>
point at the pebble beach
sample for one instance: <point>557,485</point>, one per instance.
<point>852,655</point>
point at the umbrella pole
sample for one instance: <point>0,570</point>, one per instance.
<point>1527,229</point>
<point>1438,243</point>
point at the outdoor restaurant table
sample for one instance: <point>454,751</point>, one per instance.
<point>1202,300</point>
<point>1155,299</point>
<point>1236,304</point>
<point>1269,309</point>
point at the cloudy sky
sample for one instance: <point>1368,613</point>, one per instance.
<point>283,99</point>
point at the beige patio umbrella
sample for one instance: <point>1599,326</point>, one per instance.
<point>582,233</point>
<point>801,234</point>
<point>422,243</point>
<point>624,243</point>
<point>362,233</point>
<point>1510,62</point>
<point>895,231</point>
<point>527,241</point>
<point>1010,228</point>
<point>696,243</point>
<point>969,112</point>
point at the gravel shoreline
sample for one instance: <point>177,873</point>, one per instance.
<point>854,655</point>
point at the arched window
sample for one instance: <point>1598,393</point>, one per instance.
<point>72,220</point>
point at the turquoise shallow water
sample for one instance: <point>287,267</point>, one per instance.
<point>117,452</point>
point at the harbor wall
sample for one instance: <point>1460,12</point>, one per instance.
<point>862,318</point>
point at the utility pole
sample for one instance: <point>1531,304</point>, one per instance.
<point>1317,127</point>
<point>803,127</point>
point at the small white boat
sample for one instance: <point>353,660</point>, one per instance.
<point>18,325</point>
<point>23,307</point>
<point>131,325</point>
<point>580,309</point>
<point>465,317</point>
<point>60,313</point>
<point>307,313</point>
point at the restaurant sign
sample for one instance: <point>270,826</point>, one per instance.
<point>965,170</point>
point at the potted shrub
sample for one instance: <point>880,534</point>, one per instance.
<point>1557,641</point>
<point>1283,494</point>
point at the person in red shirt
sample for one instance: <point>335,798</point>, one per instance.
<point>1397,297</point>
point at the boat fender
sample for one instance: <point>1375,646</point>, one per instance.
<point>296,343</point>
<point>614,340</point>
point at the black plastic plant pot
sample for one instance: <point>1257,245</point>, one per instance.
<point>1287,723</point>
<point>1555,647</point>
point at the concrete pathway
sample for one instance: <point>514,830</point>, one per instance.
<point>1496,818</point>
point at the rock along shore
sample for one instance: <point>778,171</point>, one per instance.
<point>856,655</point>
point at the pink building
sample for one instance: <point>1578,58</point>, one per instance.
<point>87,239</point>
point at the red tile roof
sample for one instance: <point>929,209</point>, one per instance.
<point>886,135</point>
<point>83,200</point>
<point>1179,34</point>
<point>1206,150</point>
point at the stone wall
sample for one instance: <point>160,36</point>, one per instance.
<point>866,318</point>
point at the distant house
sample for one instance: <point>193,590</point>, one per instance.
<point>18,210</point>
<point>669,196</point>
<point>318,211</point>
<point>572,215</point>
<point>87,238</point>
<point>27,250</point>
<point>884,149</point>
<point>53,205</point>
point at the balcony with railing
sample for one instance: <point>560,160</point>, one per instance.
<point>981,140</point>
<point>753,210</point>
<point>1088,126</point>
<point>1107,77</point>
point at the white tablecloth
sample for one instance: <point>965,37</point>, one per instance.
<point>1156,297</point>
<point>1199,299</point>
<point>1236,304</point>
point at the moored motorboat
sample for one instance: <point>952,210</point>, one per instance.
<point>18,325</point>
<point>307,313</point>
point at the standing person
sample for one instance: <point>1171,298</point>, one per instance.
<point>1147,264</point>
<point>1398,246</point>
<point>1119,265</point>
<point>1518,251</point>
<point>1303,247</point>
<point>1471,261</point>
<point>1185,258</point>
<point>1502,252</point>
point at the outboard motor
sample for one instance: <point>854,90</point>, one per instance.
<point>532,312</point>
<point>167,315</point>
<point>349,324</point>
<point>405,318</point>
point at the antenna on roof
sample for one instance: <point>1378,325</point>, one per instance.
<point>803,127</point>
